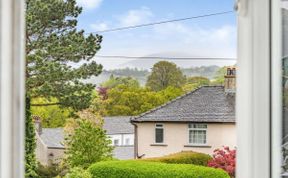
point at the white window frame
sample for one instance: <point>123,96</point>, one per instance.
<point>12,88</point>
<point>197,129</point>
<point>253,96</point>
<point>159,126</point>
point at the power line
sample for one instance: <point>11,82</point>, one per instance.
<point>166,58</point>
<point>162,22</point>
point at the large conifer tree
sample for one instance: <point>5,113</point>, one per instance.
<point>58,58</point>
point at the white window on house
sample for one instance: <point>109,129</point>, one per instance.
<point>197,134</point>
<point>127,141</point>
<point>116,142</point>
<point>159,133</point>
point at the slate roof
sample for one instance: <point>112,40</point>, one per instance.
<point>205,104</point>
<point>53,137</point>
<point>118,125</point>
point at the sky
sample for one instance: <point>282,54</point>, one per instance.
<point>213,36</point>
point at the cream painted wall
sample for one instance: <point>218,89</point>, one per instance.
<point>176,136</point>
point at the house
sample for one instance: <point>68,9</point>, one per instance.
<point>121,132</point>
<point>201,120</point>
<point>50,141</point>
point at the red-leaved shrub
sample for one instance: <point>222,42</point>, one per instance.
<point>224,159</point>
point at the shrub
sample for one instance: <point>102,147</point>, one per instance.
<point>184,157</point>
<point>48,171</point>
<point>141,169</point>
<point>78,172</point>
<point>224,159</point>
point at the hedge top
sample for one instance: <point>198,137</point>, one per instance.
<point>141,169</point>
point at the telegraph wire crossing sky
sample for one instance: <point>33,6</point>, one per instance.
<point>213,36</point>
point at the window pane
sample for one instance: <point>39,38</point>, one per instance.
<point>159,135</point>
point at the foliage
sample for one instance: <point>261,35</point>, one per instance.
<point>205,71</point>
<point>78,172</point>
<point>128,101</point>
<point>86,142</point>
<point>115,81</point>
<point>224,159</point>
<point>165,74</point>
<point>184,157</point>
<point>137,169</point>
<point>194,82</point>
<point>198,80</point>
<point>48,171</point>
<point>51,116</point>
<point>219,76</point>
<point>53,43</point>
<point>132,72</point>
<point>30,144</point>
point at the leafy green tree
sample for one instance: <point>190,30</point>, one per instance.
<point>165,74</point>
<point>86,142</point>
<point>115,81</point>
<point>51,116</point>
<point>198,80</point>
<point>127,101</point>
<point>219,76</point>
<point>194,82</point>
<point>54,47</point>
<point>30,144</point>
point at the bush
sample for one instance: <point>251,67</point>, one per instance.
<point>48,171</point>
<point>224,159</point>
<point>141,169</point>
<point>184,157</point>
<point>78,172</point>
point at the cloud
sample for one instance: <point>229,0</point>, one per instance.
<point>214,41</point>
<point>89,4</point>
<point>99,26</point>
<point>136,17</point>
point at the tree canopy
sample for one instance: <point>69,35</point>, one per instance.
<point>165,74</point>
<point>54,47</point>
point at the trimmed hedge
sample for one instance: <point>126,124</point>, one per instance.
<point>184,157</point>
<point>141,169</point>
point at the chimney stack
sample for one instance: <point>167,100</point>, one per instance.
<point>230,80</point>
<point>38,125</point>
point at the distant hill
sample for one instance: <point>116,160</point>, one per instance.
<point>141,75</point>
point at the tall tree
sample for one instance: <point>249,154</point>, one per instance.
<point>165,74</point>
<point>54,49</point>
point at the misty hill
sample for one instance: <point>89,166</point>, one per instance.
<point>141,75</point>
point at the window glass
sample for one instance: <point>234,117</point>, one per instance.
<point>127,141</point>
<point>197,133</point>
<point>159,133</point>
<point>116,142</point>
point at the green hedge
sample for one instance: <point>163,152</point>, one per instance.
<point>141,169</point>
<point>184,157</point>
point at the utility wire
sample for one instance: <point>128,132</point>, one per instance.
<point>162,22</point>
<point>166,58</point>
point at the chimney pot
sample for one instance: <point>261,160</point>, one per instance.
<point>38,125</point>
<point>230,80</point>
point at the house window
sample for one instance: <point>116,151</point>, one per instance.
<point>116,142</point>
<point>197,133</point>
<point>127,141</point>
<point>159,133</point>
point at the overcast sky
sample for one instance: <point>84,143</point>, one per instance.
<point>204,37</point>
